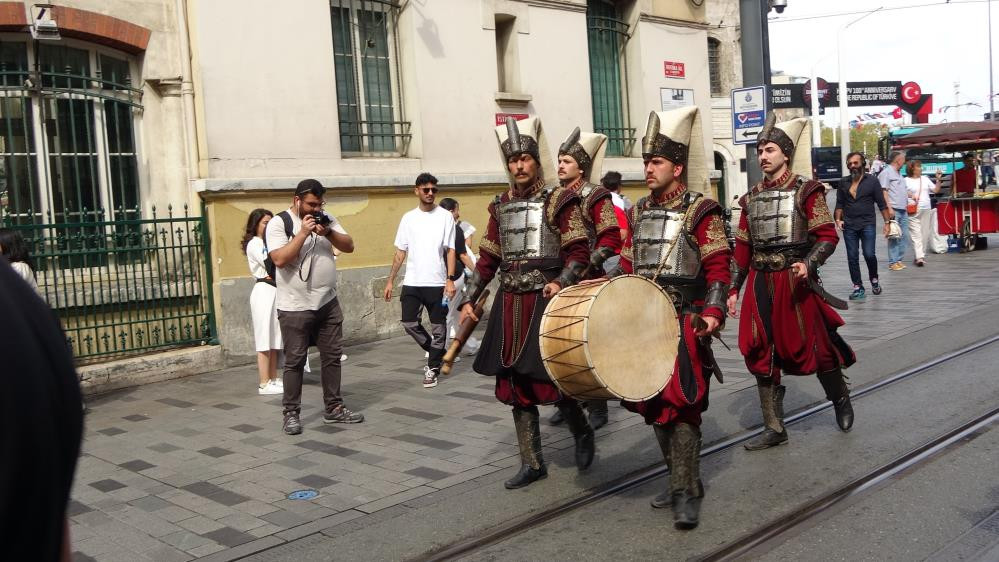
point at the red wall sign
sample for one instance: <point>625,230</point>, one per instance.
<point>674,69</point>
<point>501,117</point>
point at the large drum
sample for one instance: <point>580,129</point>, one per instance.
<point>615,339</point>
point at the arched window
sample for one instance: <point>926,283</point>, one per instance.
<point>714,66</point>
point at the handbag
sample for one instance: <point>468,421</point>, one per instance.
<point>913,208</point>
<point>894,230</point>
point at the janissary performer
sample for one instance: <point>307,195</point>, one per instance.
<point>580,158</point>
<point>537,242</point>
<point>678,240</point>
<point>787,323</point>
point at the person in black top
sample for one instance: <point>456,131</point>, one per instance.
<point>856,197</point>
<point>42,425</point>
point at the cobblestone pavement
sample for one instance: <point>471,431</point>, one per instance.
<point>199,467</point>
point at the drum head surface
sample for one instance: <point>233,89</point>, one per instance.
<point>633,337</point>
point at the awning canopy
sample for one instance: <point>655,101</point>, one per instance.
<point>953,137</point>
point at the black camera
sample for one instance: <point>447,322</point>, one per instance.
<point>322,219</point>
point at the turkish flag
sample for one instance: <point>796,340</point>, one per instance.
<point>897,113</point>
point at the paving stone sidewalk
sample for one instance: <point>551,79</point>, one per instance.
<point>199,467</point>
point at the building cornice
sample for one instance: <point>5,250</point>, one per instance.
<point>557,5</point>
<point>217,186</point>
<point>649,18</point>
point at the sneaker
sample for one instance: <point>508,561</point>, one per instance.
<point>875,287</point>
<point>429,377</point>
<point>901,265</point>
<point>896,266</point>
<point>858,293</point>
<point>920,263</point>
<point>268,388</point>
<point>277,382</point>
<point>292,425</point>
<point>341,414</point>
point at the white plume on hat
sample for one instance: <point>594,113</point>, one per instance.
<point>530,127</point>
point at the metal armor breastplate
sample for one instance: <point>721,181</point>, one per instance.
<point>524,233</point>
<point>655,234</point>
<point>774,219</point>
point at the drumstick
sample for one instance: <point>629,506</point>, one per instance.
<point>463,333</point>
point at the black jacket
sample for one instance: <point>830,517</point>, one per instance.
<point>859,212</point>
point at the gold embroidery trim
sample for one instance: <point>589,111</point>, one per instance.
<point>490,247</point>
<point>607,217</point>
<point>577,229</point>
<point>820,214</point>
<point>742,234</point>
<point>716,241</point>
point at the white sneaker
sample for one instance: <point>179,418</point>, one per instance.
<point>269,388</point>
<point>429,377</point>
<point>277,382</point>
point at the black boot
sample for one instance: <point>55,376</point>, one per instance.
<point>772,405</point>
<point>684,477</point>
<point>663,433</point>
<point>598,413</point>
<point>834,383</point>
<point>526,420</point>
<point>581,431</point>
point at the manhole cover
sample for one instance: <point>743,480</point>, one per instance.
<point>303,495</point>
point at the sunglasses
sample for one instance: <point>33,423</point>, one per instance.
<point>429,190</point>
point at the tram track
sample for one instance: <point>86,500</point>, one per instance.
<point>637,478</point>
<point>745,545</point>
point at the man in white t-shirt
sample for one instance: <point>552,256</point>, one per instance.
<point>425,236</point>
<point>300,242</point>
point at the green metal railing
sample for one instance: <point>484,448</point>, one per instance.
<point>123,287</point>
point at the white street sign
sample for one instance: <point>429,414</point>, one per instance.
<point>749,111</point>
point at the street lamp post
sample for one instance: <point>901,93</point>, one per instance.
<point>992,96</point>
<point>844,124</point>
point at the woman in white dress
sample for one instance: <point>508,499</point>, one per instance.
<point>266,331</point>
<point>920,224</point>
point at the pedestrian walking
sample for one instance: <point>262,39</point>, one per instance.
<point>266,330</point>
<point>787,324</point>
<point>920,210</point>
<point>876,166</point>
<point>532,269</point>
<point>467,263</point>
<point>425,236</point>
<point>857,197</point>
<point>679,243</point>
<point>896,196</point>
<point>15,249</point>
<point>300,242</point>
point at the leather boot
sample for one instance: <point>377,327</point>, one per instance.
<point>598,413</point>
<point>526,421</point>
<point>663,433</point>
<point>834,383</point>
<point>684,477</point>
<point>581,431</point>
<point>772,405</point>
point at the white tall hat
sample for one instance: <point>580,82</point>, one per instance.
<point>588,150</point>
<point>677,136</point>
<point>526,135</point>
<point>794,137</point>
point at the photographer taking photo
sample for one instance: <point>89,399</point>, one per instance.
<point>301,242</point>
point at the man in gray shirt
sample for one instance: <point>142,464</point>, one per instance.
<point>300,242</point>
<point>897,197</point>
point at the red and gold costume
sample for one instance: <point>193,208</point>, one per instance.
<point>535,237</point>
<point>510,349</point>
<point>787,324</point>
<point>798,335</point>
<point>685,397</point>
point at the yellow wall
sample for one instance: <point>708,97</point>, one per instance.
<point>370,216</point>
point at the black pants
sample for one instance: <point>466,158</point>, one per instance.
<point>430,298</point>
<point>324,327</point>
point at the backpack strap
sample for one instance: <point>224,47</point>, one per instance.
<point>288,224</point>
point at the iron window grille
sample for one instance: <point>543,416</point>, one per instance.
<point>714,65</point>
<point>607,35</point>
<point>368,87</point>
